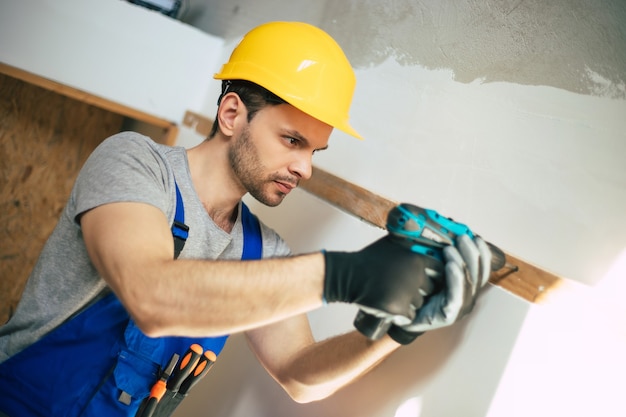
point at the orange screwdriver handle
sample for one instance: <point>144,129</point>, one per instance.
<point>205,363</point>
<point>156,393</point>
<point>186,365</point>
<point>158,389</point>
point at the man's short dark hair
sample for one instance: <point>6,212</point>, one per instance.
<point>253,96</point>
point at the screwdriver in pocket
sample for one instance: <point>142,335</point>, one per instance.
<point>206,361</point>
<point>159,388</point>
<point>186,365</point>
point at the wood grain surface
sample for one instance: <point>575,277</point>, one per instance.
<point>45,138</point>
<point>525,280</point>
<point>169,128</point>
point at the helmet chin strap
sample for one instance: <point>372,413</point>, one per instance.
<point>225,86</point>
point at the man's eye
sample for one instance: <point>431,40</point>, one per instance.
<point>292,141</point>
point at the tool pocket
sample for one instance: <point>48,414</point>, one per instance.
<point>57,375</point>
<point>123,390</point>
<point>128,384</point>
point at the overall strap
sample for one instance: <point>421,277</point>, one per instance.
<point>101,353</point>
<point>252,240</point>
<point>180,230</point>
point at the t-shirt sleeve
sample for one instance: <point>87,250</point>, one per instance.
<point>126,167</point>
<point>273,245</point>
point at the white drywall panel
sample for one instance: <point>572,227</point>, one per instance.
<point>111,49</point>
<point>439,370</point>
<point>537,170</point>
<point>569,357</point>
<point>531,168</point>
<point>510,358</point>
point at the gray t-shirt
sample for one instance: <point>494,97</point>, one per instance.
<point>126,167</point>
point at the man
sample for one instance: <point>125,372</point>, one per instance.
<point>113,296</point>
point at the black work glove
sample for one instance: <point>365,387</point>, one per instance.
<point>468,265</point>
<point>385,279</point>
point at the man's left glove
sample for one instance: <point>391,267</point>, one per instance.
<point>384,278</point>
<point>467,269</point>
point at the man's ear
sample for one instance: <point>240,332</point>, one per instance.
<point>231,107</point>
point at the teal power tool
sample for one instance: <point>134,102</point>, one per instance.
<point>426,232</point>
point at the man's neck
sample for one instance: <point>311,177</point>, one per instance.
<point>214,182</point>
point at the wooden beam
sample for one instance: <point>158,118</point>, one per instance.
<point>171,131</point>
<point>528,281</point>
<point>198,122</point>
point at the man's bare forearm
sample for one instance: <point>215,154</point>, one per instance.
<point>206,298</point>
<point>327,366</point>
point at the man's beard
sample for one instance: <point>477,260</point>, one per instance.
<point>244,159</point>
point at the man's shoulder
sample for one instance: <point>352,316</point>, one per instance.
<point>129,141</point>
<point>126,167</point>
<point>126,151</point>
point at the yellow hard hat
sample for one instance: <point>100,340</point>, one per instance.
<point>299,63</point>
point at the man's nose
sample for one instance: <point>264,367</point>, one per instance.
<point>302,166</point>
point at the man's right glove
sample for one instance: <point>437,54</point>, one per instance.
<point>385,279</point>
<point>466,272</point>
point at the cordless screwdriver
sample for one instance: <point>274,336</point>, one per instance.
<point>426,232</point>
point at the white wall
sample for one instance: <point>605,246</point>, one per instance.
<point>510,118</point>
<point>111,49</point>
<point>529,152</point>
<point>537,170</point>
<point>527,149</point>
<point>568,359</point>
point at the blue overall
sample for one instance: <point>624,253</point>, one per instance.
<point>99,363</point>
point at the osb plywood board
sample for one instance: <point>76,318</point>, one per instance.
<point>160,130</point>
<point>45,138</point>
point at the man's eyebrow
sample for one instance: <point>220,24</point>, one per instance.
<point>297,135</point>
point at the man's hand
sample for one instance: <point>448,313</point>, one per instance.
<point>385,278</point>
<point>466,272</point>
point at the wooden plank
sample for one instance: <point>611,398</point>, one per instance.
<point>198,122</point>
<point>349,197</point>
<point>85,97</point>
<point>528,281</point>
